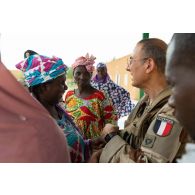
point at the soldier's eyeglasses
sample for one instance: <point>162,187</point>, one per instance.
<point>131,60</point>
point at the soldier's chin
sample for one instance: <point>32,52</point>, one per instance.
<point>135,85</point>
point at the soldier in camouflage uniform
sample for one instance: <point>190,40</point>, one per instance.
<point>151,133</point>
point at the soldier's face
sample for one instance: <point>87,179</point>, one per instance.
<point>182,81</point>
<point>136,67</point>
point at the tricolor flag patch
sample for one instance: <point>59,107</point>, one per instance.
<point>163,126</point>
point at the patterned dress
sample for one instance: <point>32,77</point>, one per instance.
<point>118,95</point>
<point>78,146</point>
<point>90,114</point>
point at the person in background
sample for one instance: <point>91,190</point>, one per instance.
<point>28,53</point>
<point>151,133</point>
<point>45,78</point>
<point>180,71</point>
<point>118,95</point>
<point>90,108</point>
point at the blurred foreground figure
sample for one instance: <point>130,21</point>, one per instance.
<point>27,131</point>
<point>180,71</point>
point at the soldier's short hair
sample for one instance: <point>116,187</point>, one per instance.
<point>156,49</point>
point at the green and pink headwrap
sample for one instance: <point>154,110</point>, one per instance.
<point>39,69</point>
<point>86,61</point>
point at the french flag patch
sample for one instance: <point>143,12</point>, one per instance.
<point>163,126</point>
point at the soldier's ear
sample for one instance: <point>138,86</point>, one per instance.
<point>149,65</point>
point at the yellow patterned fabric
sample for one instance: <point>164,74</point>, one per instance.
<point>90,114</point>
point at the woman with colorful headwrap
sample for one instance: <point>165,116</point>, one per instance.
<point>28,134</point>
<point>46,78</point>
<point>90,108</point>
<point>118,95</point>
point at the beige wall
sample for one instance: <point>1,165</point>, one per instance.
<point>17,74</point>
<point>118,73</point>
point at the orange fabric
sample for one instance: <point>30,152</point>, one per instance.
<point>27,131</point>
<point>91,113</point>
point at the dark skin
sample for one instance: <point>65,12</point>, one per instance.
<point>82,78</point>
<point>49,94</point>
<point>180,73</point>
<point>101,72</point>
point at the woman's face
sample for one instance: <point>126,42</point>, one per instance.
<point>101,72</point>
<point>27,54</point>
<point>81,76</point>
<point>55,89</point>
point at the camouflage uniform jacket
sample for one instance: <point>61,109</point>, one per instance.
<point>150,129</point>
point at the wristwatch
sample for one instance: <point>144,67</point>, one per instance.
<point>109,136</point>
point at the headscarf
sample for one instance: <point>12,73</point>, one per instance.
<point>27,131</point>
<point>101,65</point>
<point>39,69</point>
<point>106,77</point>
<point>31,52</point>
<point>85,61</point>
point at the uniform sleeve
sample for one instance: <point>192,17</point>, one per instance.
<point>116,150</point>
<point>161,142</point>
<point>163,138</point>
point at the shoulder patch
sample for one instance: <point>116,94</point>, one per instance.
<point>163,126</point>
<point>149,141</point>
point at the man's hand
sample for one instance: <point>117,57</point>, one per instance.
<point>135,155</point>
<point>109,128</point>
<point>95,157</point>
